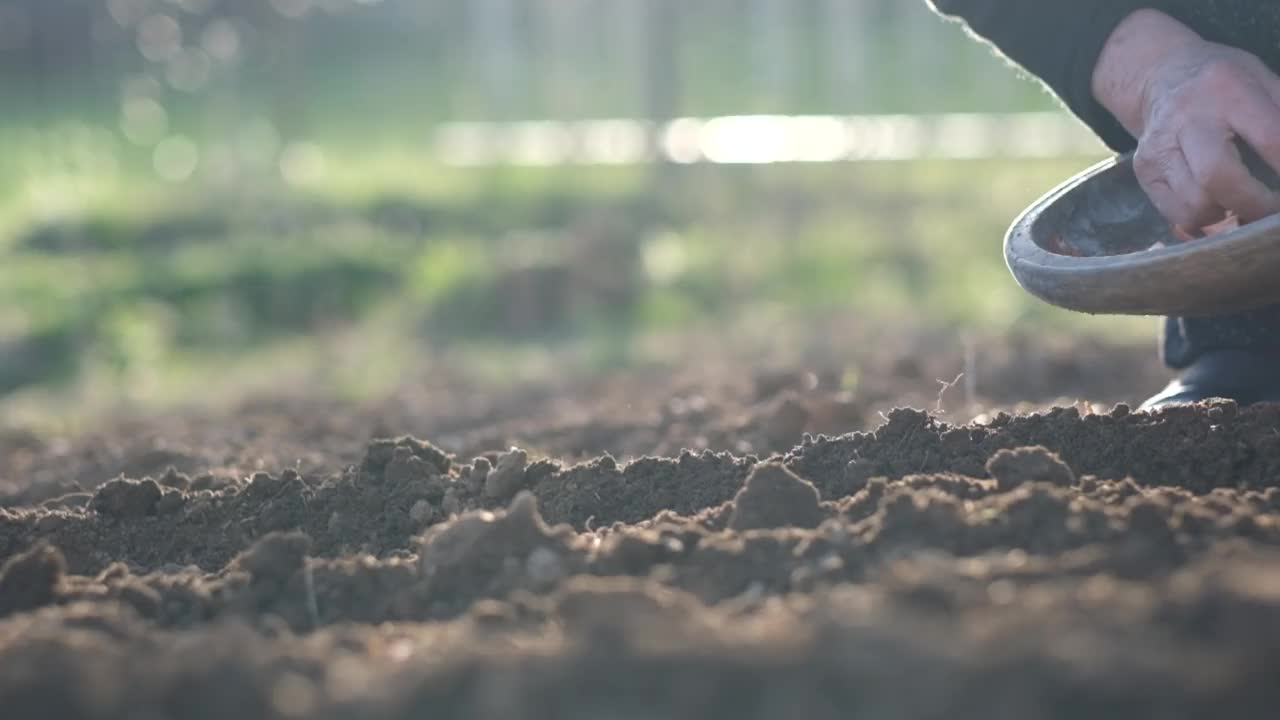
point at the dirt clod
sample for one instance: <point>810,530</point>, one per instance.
<point>174,479</point>
<point>125,499</point>
<point>31,579</point>
<point>381,453</point>
<point>170,502</point>
<point>1012,468</point>
<point>452,503</point>
<point>505,480</point>
<point>405,467</point>
<point>775,497</point>
<point>420,512</point>
<point>475,477</point>
<point>277,555</point>
<point>1060,564</point>
<point>544,567</point>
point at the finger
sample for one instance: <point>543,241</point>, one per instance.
<point>1164,175</point>
<point>1256,121</point>
<point>1217,167</point>
<point>1271,82</point>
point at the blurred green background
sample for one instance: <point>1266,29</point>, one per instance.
<point>200,197</point>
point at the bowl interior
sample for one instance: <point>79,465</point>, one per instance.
<point>1106,214</point>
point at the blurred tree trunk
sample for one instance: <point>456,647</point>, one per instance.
<point>662,81</point>
<point>563,41</point>
<point>494,47</point>
<point>929,69</point>
<point>44,52</point>
<point>290,106</point>
<point>848,56</point>
<point>629,40</point>
<point>771,51</point>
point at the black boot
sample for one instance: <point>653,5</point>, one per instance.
<point>1246,376</point>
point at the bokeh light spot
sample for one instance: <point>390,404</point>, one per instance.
<point>292,8</point>
<point>195,7</point>
<point>143,120</point>
<point>140,86</point>
<point>176,158</point>
<point>302,163</point>
<point>680,140</point>
<point>127,13</point>
<point>222,41</point>
<point>159,38</point>
<point>188,71</point>
<point>665,258</point>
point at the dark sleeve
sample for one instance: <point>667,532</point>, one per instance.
<point>1058,41</point>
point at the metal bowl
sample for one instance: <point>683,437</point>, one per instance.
<point>1097,245</point>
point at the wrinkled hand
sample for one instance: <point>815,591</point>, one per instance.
<point>1189,101</point>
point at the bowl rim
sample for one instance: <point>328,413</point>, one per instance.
<point>1232,271</point>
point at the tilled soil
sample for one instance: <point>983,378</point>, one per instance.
<point>838,378</point>
<point>1060,564</point>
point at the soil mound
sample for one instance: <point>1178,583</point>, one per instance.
<point>1042,566</point>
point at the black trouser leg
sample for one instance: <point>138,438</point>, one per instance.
<point>1184,340</point>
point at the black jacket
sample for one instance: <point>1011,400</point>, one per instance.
<point>1060,41</point>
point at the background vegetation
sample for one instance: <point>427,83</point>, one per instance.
<point>199,197</point>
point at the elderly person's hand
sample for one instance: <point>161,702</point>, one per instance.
<point>1188,101</point>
